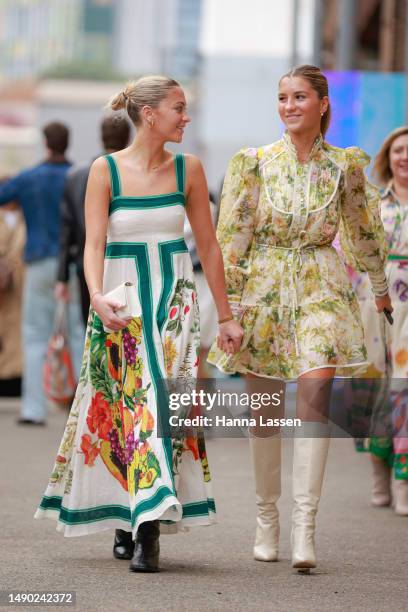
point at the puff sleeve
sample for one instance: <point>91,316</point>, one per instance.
<point>362,235</point>
<point>236,222</point>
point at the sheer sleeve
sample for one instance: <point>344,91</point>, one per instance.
<point>237,217</point>
<point>362,235</point>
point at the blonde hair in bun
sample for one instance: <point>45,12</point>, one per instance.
<point>146,91</point>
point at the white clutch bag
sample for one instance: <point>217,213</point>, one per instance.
<point>126,295</point>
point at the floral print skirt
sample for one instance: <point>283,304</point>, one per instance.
<point>299,313</point>
<point>113,470</point>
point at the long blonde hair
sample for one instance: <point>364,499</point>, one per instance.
<point>381,167</point>
<point>146,91</point>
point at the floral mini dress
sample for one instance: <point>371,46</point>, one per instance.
<point>277,223</point>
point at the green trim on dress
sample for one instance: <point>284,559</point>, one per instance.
<point>136,203</point>
<point>121,202</point>
<point>393,257</point>
<point>139,252</point>
<point>114,177</point>
<point>112,511</point>
<point>85,515</point>
<point>383,449</point>
<point>166,252</point>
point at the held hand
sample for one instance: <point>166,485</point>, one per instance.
<point>229,337</point>
<point>383,303</point>
<point>237,310</point>
<point>61,292</point>
<point>105,308</point>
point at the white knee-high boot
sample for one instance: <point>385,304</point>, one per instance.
<point>309,461</point>
<point>381,488</point>
<point>266,457</point>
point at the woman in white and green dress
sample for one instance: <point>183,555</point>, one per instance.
<point>113,470</point>
<point>281,208</point>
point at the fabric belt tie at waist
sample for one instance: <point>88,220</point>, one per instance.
<point>296,252</point>
<point>297,263</point>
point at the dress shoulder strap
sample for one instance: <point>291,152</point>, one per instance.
<point>180,165</point>
<point>114,175</point>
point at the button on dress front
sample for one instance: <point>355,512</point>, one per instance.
<point>113,470</point>
<point>277,223</point>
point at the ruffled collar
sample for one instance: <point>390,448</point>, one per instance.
<point>291,149</point>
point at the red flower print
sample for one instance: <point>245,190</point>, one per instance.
<point>186,309</point>
<point>108,343</point>
<point>403,459</point>
<point>191,444</point>
<point>60,459</point>
<point>143,448</point>
<point>91,451</point>
<point>99,416</point>
<point>173,312</point>
<point>138,411</point>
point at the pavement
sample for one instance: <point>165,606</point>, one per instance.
<point>362,551</point>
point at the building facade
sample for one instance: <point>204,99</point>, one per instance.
<point>159,36</point>
<point>35,35</point>
<point>245,49</point>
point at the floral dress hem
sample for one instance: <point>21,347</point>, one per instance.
<point>242,370</point>
<point>206,518</point>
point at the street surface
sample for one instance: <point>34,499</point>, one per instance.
<point>362,551</point>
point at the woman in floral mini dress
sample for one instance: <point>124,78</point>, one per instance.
<point>281,208</point>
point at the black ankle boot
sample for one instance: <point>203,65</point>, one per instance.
<point>123,545</point>
<point>147,548</point>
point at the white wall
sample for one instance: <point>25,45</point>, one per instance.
<point>245,48</point>
<point>255,28</point>
<point>144,31</point>
<point>80,105</point>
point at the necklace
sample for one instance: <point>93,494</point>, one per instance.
<point>154,168</point>
<point>157,166</point>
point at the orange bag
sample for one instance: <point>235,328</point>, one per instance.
<point>58,374</point>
